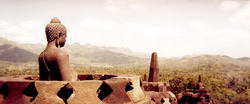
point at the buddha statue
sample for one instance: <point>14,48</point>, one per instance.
<point>53,61</point>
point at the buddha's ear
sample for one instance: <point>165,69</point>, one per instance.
<point>57,43</point>
<point>61,34</point>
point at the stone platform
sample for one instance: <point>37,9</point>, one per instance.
<point>90,89</point>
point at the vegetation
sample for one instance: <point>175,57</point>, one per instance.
<point>227,79</point>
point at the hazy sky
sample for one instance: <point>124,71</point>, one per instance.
<point>169,27</point>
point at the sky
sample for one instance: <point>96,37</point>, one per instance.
<point>172,28</point>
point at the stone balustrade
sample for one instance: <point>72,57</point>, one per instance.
<point>90,89</point>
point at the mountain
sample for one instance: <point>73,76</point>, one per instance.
<point>206,63</point>
<point>244,58</point>
<point>97,55</point>
<point>5,41</point>
<point>79,54</point>
<point>12,53</point>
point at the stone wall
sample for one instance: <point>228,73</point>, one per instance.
<point>91,89</point>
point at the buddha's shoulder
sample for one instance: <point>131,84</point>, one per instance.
<point>54,53</point>
<point>61,53</point>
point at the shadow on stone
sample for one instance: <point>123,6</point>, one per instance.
<point>65,92</point>
<point>162,100</point>
<point>105,77</point>
<point>129,87</point>
<point>89,78</point>
<point>104,91</point>
<point>4,90</point>
<point>31,91</point>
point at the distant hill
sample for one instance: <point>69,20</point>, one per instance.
<point>206,62</point>
<point>90,54</point>
<point>12,53</point>
<point>244,58</point>
<point>5,41</point>
<point>79,54</point>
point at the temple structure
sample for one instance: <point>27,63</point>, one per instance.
<point>154,69</point>
<point>195,93</point>
<point>158,91</point>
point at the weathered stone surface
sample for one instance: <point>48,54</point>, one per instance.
<point>158,91</point>
<point>154,69</point>
<point>95,76</point>
<point>107,90</point>
<point>19,78</point>
<point>145,78</point>
<point>47,92</point>
<point>162,97</point>
<point>13,92</point>
<point>118,94</point>
<point>1,92</point>
<point>1,99</point>
<point>134,91</point>
<point>194,93</point>
<point>85,92</point>
<point>155,86</point>
<point>146,100</point>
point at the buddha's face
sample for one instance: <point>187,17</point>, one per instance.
<point>62,39</point>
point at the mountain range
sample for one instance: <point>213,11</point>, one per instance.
<point>11,51</point>
<point>79,54</point>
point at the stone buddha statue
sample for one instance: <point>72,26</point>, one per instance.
<point>53,61</point>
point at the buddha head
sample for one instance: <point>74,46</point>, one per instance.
<point>55,31</point>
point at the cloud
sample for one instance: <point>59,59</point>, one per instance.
<point>136,35</point>
<point>114,5</point>
<point>98,24</point>
<point>223,33</point>
<point>118,6</point>
<point>116,26</point>
<point>25,32</point>
<point>242,15</point>
<point>171,28</point>
<point>230,5</point>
